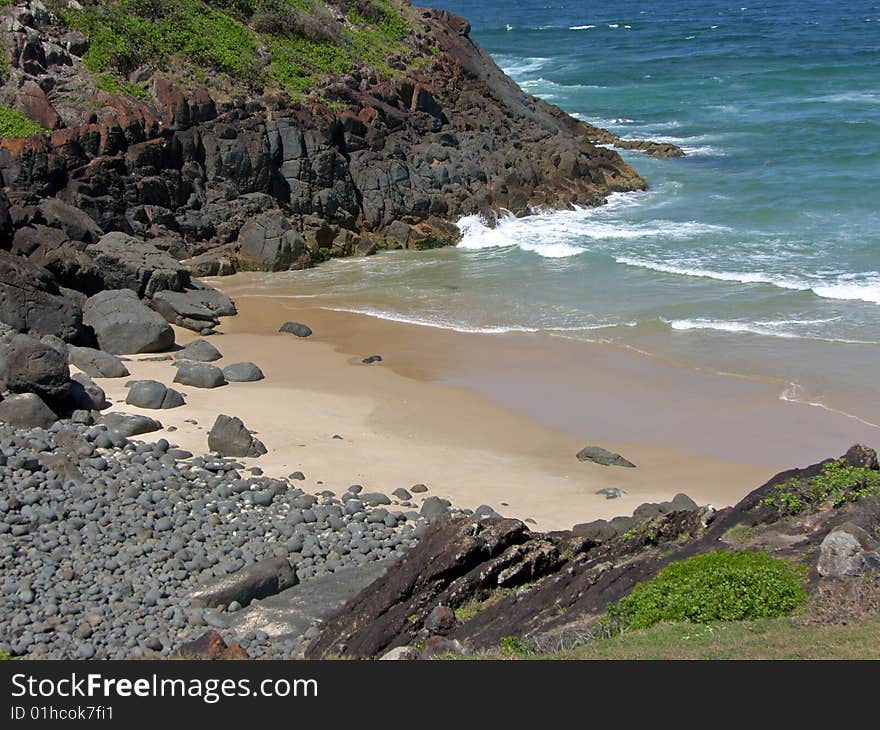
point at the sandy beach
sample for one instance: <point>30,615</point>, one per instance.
<point>484,419</point>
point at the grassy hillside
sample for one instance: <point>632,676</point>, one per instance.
<point>267,45</point>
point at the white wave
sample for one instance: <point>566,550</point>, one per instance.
<point>581,27</point>
<point>613,25</point>
<point>868,291</point>
<point>794,393</point>
<point>541,81</point>
<point>514,66</point>
<point>778,328</point>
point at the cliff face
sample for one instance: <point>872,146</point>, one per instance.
<point>372,158</point>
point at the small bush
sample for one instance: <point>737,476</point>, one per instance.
<point>514,646</point>
<point>713,587</point>
<point>839,483</point>
<point>112,85</point>
<point>13,124</point>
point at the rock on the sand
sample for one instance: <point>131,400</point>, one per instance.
<point>602,456</point>
<point>230,437</point>
<point>86,393</point>
<point>96,363</point>
<point>295,328</point>
<point>199,375</point>
<point>433,508</point>
<point>242,372</point>
<point>130,424</point>
<point>200,350</point>
<point>32,366</point>
<point>123,324</point>
<point>26,410</point>
<point>153,394</point>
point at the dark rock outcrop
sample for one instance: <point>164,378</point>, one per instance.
<point>602,456</point>
<point>229,437</point>
<point>258,580</point>
<point>26,410</point>
<point>128,263</point>
<point>125,325</point>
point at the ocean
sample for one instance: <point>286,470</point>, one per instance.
<point>758,254</point>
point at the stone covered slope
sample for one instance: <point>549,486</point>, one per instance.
<point>471,583</point>
<point>228,177</point>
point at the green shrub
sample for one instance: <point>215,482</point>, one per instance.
<point>514,646</point>
<point>716,586</point>
<point>112,85</point>
<point>4,656</point>
<point>838,483</point>
<point>13,124</point>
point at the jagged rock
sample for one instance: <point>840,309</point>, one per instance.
<point>602,456</point>
<point>32,301</point>
<point>32,366</point>
<point>130,424</point>
<point>71,266</point>
<point>194,309</point>
<point>242,372</point>
<point>128,263</point>
<point>199,350</point>
<point>96,363</point>
<point>269,242</point>
<point>153,394</point>
<point>125,325</point>
<point>26,410</point>
<point>258,580</point>
<point>229,437</point>
<point>848,550</point>
<point>211,646</point>
<point>86,393</point>
<point>199,375</point>
<point>295,328</point>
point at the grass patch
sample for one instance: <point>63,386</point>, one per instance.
<point>838,484</point>
<point>5,656</point>
<point>14,124</point>
<point>739,534</point>
<point>112,85</point>
<point>713,587</point>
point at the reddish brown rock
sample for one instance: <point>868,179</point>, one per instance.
<point>211,646</point>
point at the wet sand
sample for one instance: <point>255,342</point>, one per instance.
<point>489,419</point>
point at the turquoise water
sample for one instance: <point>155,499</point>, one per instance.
<point>757,254</point>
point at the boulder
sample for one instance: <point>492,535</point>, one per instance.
<point>269,242</point>
<point>123,324</point>
<point>199,375</point>
<point>71,266</point>
<point>861,456</point>
<point>130,424</point>
<point>32,366</point>
<point>200,350</point>
<point>846,551</point>
<point>295,328</point>
<point>229,437</point>
<point>400,653</point>
<point>602,456</point>
<point>433,508</point>
<point>257,580</point>
<point>86,393</point>
<point>242,372</point>
<point>32,301</point>
<point>77,224</point>
<point>96,363</point>
<point>183,309</point>
<point>129,263</point>
<point>153,394</point>
<point>26,410</point>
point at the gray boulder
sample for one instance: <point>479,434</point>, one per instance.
<point>123,324</point>
<point>258,580</point>
<point>242,372</point>
<point>77,224</point>
<point>86,393</point>
<point>181,309</point>
<point>153,394</point>
<point>295,328</point>
<point>32,366</point>
<point>129,263</point>
<point>96,363</point>
<point>433,508</point>
<point>199,375</point>
<point>31,301</point>
<point>130,424</point>
<point>597,530</point>
<point>269,242</point>
<point>200,350</point>
<point>846,551</point>
<point>602,456</point>
<point>26,410</point>
<point>229,437</point>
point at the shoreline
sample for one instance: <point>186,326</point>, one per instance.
<point>423,415</point>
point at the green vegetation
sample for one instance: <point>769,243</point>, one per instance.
<point>514,646</point>
<point>740,534</point>
<point>712,587</point>
<point>264,44</point>
<point>4,62</point>
<point>838,484</point>
<point>13,124</point>
<point>4,656</point>
<point>112,85</point>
